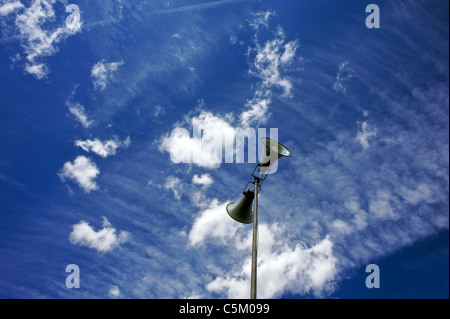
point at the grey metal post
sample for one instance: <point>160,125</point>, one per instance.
<point>255,243</point>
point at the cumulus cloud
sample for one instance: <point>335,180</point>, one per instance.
<point>205,180</point>
<point>38,40</point>
<point>213,223</point>
<point>214,140</point>
<point>83,171</point>
<point>204,148</point>
<point>102,71</point>
<point>281,268</point>
<point>103,240</point>
<point>114,292</point>
<point>103,149</point>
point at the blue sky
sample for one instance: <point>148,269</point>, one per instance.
<point>90,94</point>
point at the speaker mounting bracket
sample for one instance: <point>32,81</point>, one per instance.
<point>261,178</point>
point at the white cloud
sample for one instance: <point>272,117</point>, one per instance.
<point>200,200</point>
<point>423,193</point>
<point>261,20</point>
<point>205,180</point>
<point>213,223</point>
<point>281,268</point>
<point>360,216</point>
<point>37,41</point>
<point>102,72</point>
<point>83,171</point>
<point>342,227</point>
<point>159,110</point>
<point>114,292</point>
<point>40,70</point>
<point>269,60</point>
<point>104,149</point>
<point>342,77</point>
<point>256,111</point>
<point>10,7</point>
<point>364,135</point>
<point>382,206</point>
<point>289,52</point>
<point>174,184</point>
<point>204,150</point>
<point>103,240</point>
<point>79,112</point>
<point>267,65</point>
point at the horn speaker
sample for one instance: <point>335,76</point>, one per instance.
<point>273,152</point>
<point>241,210</point>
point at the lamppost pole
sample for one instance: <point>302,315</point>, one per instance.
<point>255,243</point>
<point>241,210</point>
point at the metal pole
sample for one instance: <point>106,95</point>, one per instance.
<point>255,243</point>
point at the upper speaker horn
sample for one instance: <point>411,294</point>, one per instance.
<point>273,152</point>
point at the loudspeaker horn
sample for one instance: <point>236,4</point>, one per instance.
<point>241,210</point>
<point>273,152</point>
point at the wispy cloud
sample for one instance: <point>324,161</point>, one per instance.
<point>102,71</point>
<point>175,185</point>
<point>256,110</point>
<point>77,110</point>
<point>261,19</point>
<point>271,58</point>
<point>343,75</point>
<point>269,61</point>
<point>38,41</point>
<point>365,134</point>
<point>200,6</point>
<point>103,149</point>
